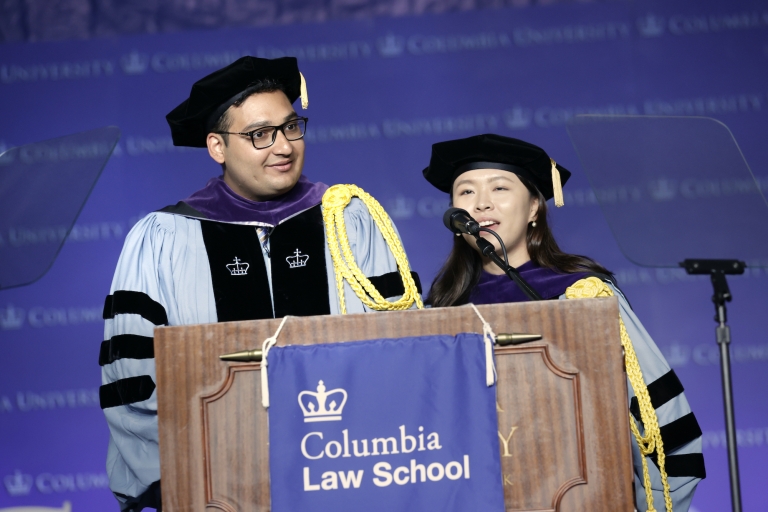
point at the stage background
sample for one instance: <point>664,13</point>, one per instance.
<point>382,90</point>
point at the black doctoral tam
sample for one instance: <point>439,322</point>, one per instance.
<point>212,95</point>
<point>452,158</point>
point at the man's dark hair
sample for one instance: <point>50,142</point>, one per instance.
<point>266,85</point>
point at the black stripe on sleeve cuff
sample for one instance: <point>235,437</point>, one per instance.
<point>675,434</point>
<point>391,284</point>
<point>680,432</point>
<point>661,391</point>
<point>664,389</point>
<point>150,498</point>
<point>684,465</point>
<point>126,391</point>
<point>126,346</point>
<point>138,303</point>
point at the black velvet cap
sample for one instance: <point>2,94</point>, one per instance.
<point>210,97</point>
<point>454,157</point>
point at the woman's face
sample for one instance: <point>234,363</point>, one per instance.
<point>499,201</point>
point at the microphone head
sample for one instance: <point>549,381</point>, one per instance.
<point>449,216</point>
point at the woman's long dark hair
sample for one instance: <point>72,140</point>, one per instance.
<point>461,271</point>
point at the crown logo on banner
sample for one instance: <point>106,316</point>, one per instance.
<point>11,317</point>
<point>391,45</point>
<point>238,268</point>
<point>518,118</point>
<point>297,260</point>
<point>134,63</point>
<point>18,484</point>
<point>677,355</point>
<point>651,25</point>
<point>401,207</point>
<point>316,406</point>
<point>663,189</point>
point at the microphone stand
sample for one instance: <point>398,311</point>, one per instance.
<point>489,251</point>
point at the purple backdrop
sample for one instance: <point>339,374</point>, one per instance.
<point>382,91</point>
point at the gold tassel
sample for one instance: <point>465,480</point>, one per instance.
<point>304,97</point>
<point>557,187</point>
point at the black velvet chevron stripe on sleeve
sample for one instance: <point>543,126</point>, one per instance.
<point>680,432</point>
<point>126,391</point>
<point>661,391</point>
<point>664,389</point>
<point>391,284</point>
<point>138,303</point>
<point>151,498</point>
<point>685,464</point>
<point>126,346</point>
<point>677,433</point>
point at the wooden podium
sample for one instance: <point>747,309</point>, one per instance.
<point>562,403</point>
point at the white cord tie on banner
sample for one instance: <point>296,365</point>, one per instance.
<point>489,338</point>
<point>268,344</point>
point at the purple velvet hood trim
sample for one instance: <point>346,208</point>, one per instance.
<point>218,202</point>
<point>494,289</point>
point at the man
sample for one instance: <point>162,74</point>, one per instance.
<point>252,244</point>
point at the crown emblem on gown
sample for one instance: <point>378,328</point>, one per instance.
<point>238,268</point>
<point>297,260</point>
<point>18,484</point>
<point>316,406</point>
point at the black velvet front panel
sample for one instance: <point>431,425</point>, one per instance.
<point>300,281</point>
<point>241,293</point>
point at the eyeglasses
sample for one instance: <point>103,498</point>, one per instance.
<point>265,136</point>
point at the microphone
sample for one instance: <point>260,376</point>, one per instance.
<point>459,221</point>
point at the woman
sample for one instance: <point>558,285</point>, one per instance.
<point>504,184</point>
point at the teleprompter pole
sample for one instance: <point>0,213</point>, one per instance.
<point>724,339</point>
<point>717,270</point>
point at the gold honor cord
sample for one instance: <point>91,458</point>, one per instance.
<point>335,200</point>
<point>593,287</point>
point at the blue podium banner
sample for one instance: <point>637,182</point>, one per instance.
<point>391,424</point>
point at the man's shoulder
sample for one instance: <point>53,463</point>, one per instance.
<point>158,233</point>
<point>184,209</point>
<point>357,208</point>
<point>159,223</point>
